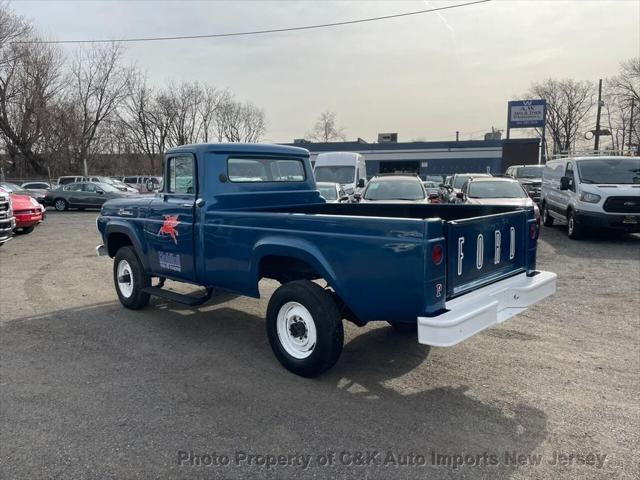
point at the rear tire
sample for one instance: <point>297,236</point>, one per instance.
<point>574,231</point>
<point>130,278</point>
<point>547,219</point>
<point>60,204</point>
<point>304,327</point>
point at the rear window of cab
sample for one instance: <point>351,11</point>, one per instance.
<point>255,170</point>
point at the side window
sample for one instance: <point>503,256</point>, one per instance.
<point>569,173</point>
<point>129,180</point>
<point>265,170</point>
<point>73,187</point>
<point>90,187</point>
<point>180,174</point>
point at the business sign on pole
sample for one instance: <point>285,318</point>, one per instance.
<point>526,114</point>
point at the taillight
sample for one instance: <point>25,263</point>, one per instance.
<point>436,254</point>
<point>533,230</point>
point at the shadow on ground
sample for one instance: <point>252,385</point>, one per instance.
<point>105,392</point>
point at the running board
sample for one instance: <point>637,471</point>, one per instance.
<point>179,297</point>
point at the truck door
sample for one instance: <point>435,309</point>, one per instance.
<point>169,227</point>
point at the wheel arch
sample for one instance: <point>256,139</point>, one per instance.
<point>300,260</point>
<point>118,235</point>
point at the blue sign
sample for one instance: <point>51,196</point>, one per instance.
<point>526,113</point>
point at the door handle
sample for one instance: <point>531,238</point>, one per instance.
<point>200,202</point>
<point>187,204</point>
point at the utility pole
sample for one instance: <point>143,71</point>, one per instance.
<point>633,101</point>
<point>596,144</point>
<point>458,133</point>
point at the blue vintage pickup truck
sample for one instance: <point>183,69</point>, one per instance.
<point>230,215</point>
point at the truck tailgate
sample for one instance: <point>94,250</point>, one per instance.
<point>486,249</point>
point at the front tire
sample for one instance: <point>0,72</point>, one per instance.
<point>574,231</point>
<point>60,204</point>
<point>547,219</point>
<point>304,327</point>
<point>130,278</point>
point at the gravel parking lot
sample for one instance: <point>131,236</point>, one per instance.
<point>91,390</point>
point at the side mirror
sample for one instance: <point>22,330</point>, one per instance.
<point>442,185</point>
<point>361,183</point>
<point>344,199</point>
<point>357,196</point>
<point>565,183</point>
<point>460,195</point>
<point>433,196</point>
<point>101,192</point>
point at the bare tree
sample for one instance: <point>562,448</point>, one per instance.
<point>569,103</point>
<point>99,83</point>
<point>627,82</point>
<point>30,77</point>
<point>239,122</point>
<point>623,90</point>
<point>326,129</point>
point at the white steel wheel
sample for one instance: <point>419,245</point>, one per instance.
<point>125,279</point>
<point>296,330</point>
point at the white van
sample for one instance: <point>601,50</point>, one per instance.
<point>592,192</point>
<point>346,168</point>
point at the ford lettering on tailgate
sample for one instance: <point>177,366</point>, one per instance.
<point>484,250</point>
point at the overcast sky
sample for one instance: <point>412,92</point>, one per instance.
<point>424,76</point>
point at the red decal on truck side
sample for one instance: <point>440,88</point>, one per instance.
<point>169,227</point>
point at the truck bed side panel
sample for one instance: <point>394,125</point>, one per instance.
<point>376,265</point>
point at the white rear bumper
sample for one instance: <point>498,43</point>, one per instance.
<point>473,312</point>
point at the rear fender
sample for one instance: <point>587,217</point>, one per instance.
<point>294,248</point>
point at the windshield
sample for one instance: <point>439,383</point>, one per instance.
<point>328,192</point>
<point>335,174</point>
<point>459,181</point>
<point>12,187</point>
<point>614,170</point>
<point>394,190</point>
<point>530,172</point>
<point>496,190</point>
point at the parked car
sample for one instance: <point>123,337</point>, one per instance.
<point>123,187</point>
<point>26,210</point>
<point>7,220</point>
<point>530,177</point>
<point>64,180</point>
<point>414,265</point>
<point>346,168</point>
<point>592,193</point>
<point>82,195</point>
<point>15,188</point>
<point>496,191</point>
<point>433,191</point>
<point>143,184</point>
<point>393,189</point>
<point>332,192</point>
<point>450,190</point>
<point>36,185</point>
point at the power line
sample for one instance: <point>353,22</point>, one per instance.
<point>259,32</point>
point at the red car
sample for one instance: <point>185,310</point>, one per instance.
<point>28,212</point>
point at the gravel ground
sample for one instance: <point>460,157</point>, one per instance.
<point>91,390</point>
